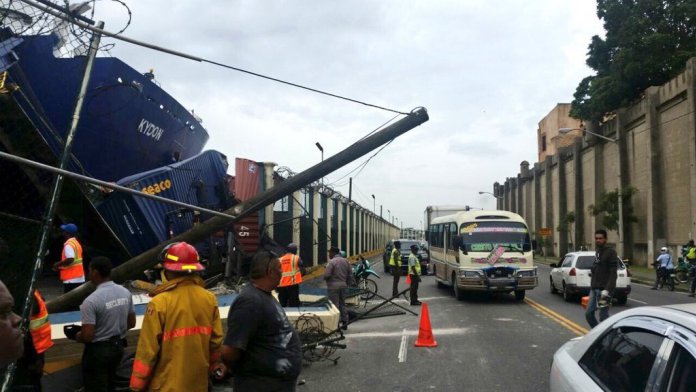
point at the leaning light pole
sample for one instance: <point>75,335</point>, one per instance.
<point>147,259</point>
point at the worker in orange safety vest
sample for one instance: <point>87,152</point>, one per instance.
<point>181,334</point>
<point>293,269</point>
<point>70,266</point>
<point>30,366</point>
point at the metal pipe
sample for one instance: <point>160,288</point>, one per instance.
<point>56,191</point>
<point>110,185</point>
<point>147,259</point>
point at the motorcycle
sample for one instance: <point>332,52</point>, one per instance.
<point>683,271</point>
<point>362,272</point>
<point>665,277</point>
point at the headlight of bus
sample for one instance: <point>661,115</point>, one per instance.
<point>469,274</point>
<point>527,273</point>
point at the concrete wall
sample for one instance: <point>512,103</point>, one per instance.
<point>655,153</point>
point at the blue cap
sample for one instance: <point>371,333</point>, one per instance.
<point>69,228</point>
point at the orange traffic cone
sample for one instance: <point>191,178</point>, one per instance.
<point>585,301</point>
<point>408,279</point>
<point>425,332</point>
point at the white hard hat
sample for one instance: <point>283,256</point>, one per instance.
<point>664,249</point>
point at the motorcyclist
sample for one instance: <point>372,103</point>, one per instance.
<point>663,266</point>
<point>690,255</point>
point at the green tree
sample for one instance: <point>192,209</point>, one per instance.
<point>608,206</point>
<point>647,43</point>
<point>565,225</point>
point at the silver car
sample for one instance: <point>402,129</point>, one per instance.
<point>641,349</point>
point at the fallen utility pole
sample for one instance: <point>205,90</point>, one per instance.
<point>135,266</point>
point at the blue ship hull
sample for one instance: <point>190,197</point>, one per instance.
<point>128,123</point>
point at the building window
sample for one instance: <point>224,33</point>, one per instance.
<point>543,142</point>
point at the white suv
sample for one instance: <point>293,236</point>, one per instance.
<point>571,277</point>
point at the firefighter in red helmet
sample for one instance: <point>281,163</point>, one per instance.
<point>181,334</point>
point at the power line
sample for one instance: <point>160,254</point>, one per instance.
<point>334,183</point>
<point>196,58</point>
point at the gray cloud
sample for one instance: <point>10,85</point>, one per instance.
<point>486,71</point>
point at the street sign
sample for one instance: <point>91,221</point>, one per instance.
<point>545,232</point>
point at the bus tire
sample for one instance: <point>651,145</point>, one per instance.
<point>519,294</point>
<point>439,283</point>
<point>458,293</point>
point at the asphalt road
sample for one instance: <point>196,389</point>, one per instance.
<point>491,343</point>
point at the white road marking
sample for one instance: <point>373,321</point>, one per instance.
<point>436,332</point>
<point>402,349</point>
<point>640,302</point>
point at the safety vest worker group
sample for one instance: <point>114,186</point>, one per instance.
<point>395,258</point>
<point>40,327</point>
<point>73,270</point>
<point>290,265</point>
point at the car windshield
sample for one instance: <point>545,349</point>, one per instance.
<point>407,245</point>
<point>584,262</point>
<point>486,236</point>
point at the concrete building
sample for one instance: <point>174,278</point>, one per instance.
<point>654,152</point>
<point>550,141</point>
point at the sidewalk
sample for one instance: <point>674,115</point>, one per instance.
<point>642,275</point>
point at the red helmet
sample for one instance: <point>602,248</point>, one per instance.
<point>180,256</point>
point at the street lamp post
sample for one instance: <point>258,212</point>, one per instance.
<point>322,157</point>
<point>489,193</point>
<point>374,211</point>
<point>496,197</point>
<point>620,246</point>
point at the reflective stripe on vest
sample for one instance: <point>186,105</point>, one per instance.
<point>290,267</point>
<point>40,327</point>
<point>73,270</point>
<point>395,259</point>
<point>415,269</point>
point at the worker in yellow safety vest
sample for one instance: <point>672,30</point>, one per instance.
<point>181,335</point>
<point>293,269</point>
<point>70,266</point>
<point>395,265</point>
<point>414,272</point>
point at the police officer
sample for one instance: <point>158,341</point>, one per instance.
<point>107,314</point>
<point>395,265</point>
<point>414,271</point>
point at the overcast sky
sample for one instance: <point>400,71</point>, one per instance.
<point>487,72</point>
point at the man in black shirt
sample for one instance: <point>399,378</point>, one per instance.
<point>261,347</point>
<point>603,280</point>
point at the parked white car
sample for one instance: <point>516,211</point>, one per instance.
<point>571,277</point>
<point>640,349</point>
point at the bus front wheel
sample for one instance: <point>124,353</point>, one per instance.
<point>458,293</point>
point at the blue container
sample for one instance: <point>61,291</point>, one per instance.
<point>142,223</point>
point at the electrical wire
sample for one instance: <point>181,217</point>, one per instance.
<point>198,59</point>
<point>363,164</point>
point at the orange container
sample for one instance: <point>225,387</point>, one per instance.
<point>584,301</point>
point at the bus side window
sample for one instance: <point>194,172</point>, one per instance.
<point>452,234</point>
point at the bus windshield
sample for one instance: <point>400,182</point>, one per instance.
<point>487,236</point>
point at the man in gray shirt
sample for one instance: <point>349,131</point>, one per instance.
<point>107,314</point>
<point>338,274</point>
